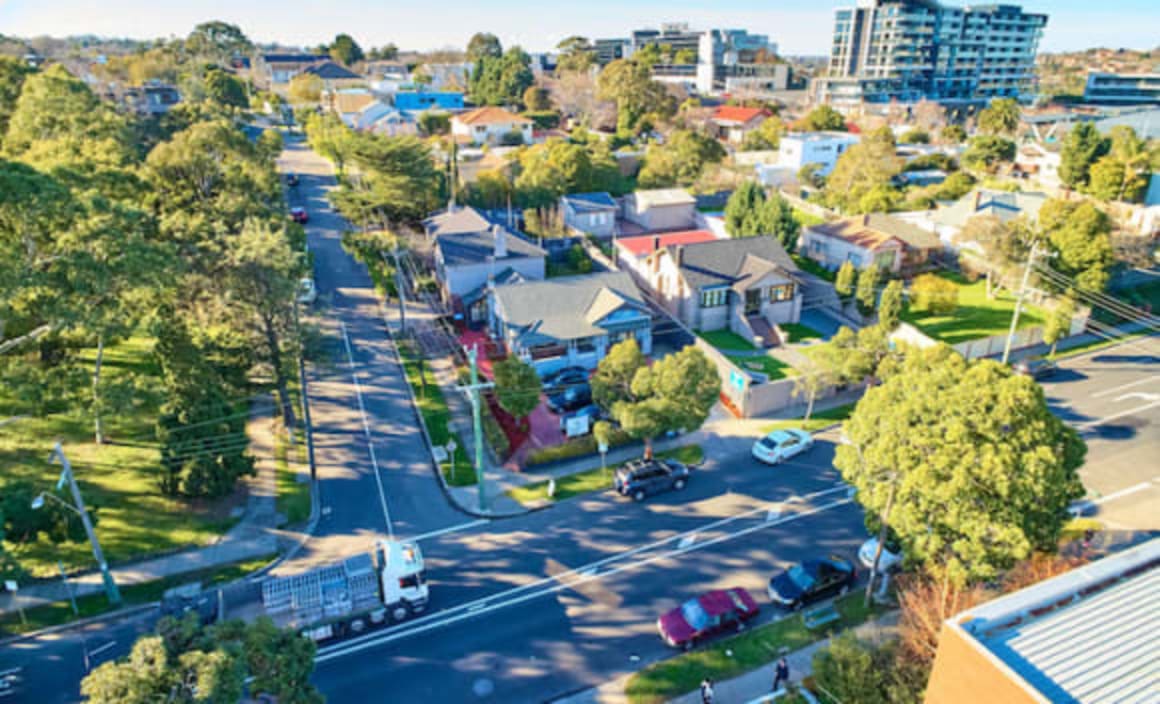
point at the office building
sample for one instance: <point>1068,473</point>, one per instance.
<point>910,50</point>
<point>1122,88</point>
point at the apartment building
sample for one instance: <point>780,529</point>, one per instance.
<point>910,50</point>
<point>1122,88</point>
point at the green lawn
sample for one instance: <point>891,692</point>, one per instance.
<point>727,341</point>
<point>734,656</point>
<point>436,415</point>
<point>60,612</point>
<point>799,332</point>
<point>807,219</point>
<point>975,317</point>
<point>770,366</point>
<point>118,479</point>
<point>812,267</point>
<point>293,495</point>
<point>596,479</point>
<point>818,421</point>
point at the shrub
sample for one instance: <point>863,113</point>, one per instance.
<point>576,447</point>
<point>934,294</point>
<point>544,119</point>
<point>512,139</point>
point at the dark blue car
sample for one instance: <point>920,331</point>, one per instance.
<point>811,580</point>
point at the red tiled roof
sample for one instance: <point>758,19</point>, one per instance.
<point>736,113</point>
<point>490,116</point>
<point>647,244</point>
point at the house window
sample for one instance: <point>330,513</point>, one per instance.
<point>586,344</point>
<point>714,298</point>
<point>885,260</point>
<point>781,293</point>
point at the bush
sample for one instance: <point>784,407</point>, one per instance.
<point>933,293</point>
<point>576,447</point>
<point>494,435</point>
<point>915,136</point>
<point>514,138</point>
<point>544,119</point>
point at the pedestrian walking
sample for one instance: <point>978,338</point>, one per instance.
<point>706,691</point>
<point>781,674</point>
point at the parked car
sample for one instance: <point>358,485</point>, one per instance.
<point>291,180</point>
<point>641,478</point>
<point>1038,368</point>
<point>563,378</point>
<point>591,411</point>
<point>712,612</point>
<point>891,558</point>
<point>307,293</point>
<point>780,445</point>
<point>570,399</point>
<point>811,580</point>
<point>298,215</point>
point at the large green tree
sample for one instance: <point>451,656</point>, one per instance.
<point>863,169</point>
<point>675,393</point>
<point>1079,234</point>
<point>680,160</point>
<point>629,84</point>
<point>980,470</point>
<point>501,80</point>
<point>824,118</point>
<point>399,182</point>
<point>612,382</point>
<point>1001,118</point>
<point>345,50</point>
<point>1082,148</point>
<point>749,212</point>
<point>517,386</point>
<point>218,41</point>
<point>987,152</point>
<point>12,75</point>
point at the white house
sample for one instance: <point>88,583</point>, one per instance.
<point>592,213</point>
<point>490,125</point>
<point>1036,163</point>
<point>661,209</point>
<point>822,148</point>
<point>894,245</point>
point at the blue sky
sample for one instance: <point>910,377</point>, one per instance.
<point>799,27</point>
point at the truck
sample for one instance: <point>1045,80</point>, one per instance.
<point>387,585</point>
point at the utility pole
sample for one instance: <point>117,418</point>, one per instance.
<point>473,395</point>
<point>66,475</point>
<point>1031,256</point>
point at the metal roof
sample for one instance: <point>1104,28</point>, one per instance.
<point>590,202</point>
<point>1091,635</point>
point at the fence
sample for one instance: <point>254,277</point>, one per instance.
<point>987,346</point>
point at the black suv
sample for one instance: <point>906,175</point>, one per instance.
<point>572,398</point>
<point>641,478</point>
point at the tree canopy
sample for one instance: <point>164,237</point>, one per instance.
<point>629,84</point>
<point>517,386</point>
<point>824,118</point>
<point>1079,234</point>
<point>1001,118</point>
<point>345,50</point>
<point>749,212</point>
<point>680,160</point>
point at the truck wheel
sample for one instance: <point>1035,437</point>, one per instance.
<point>400,612</point>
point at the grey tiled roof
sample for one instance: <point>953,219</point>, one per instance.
<point>328,70</point>
<point>725,262</point>
<point>463,236</point>
<point>1002,204</point>
<point>567,308</point>
<point>590,202</point>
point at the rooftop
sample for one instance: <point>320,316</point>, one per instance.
<point>1004,205</point>
<point>733,261</point>
<point>590,202</point>
<point>464,236</point>
<point>490,116</point>
<point>647,244</point>
<point>567,308</point>
<point>820,136</point>
<point>662,197</point>
<point>876,230</point>
<point>1091,635</point>
<point>737,114</point>
<point>330,71</point>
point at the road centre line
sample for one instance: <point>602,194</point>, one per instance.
<point>1114,389</point>
<point>367,430</point>
<point>452,529</point>
<point>584,575</point>
<point>1105,419</point>
<point>101,649</point>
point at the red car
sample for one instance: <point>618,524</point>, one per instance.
<point>299,215</point>
<point>709,613</point>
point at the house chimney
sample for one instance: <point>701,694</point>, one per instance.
<point>680,254</point>
<point>500,235</point>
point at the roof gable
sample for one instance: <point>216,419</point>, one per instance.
<point>330,71</point>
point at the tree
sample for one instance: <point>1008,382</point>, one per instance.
<point>675,393</point>
<point>629,84</point>
<point>1082,148</point>
<point>576,55</point>
<point>612,382</point>
<point>867,291</point>
<point>483,45</point>
<point>824,118</point>
<point>955,186</point>
<point>225,90</point>
<point>952,134</point>
<point>1058,324</point>
<point>345,50</point>
<point>685,56</point>
<point>218,41</point>
<point>844,282</point>
<point>305,88</point>
<point>1106,178</point>
<point>851,670</point>
<point>987,152</point>
<point>742,210</point>
<point>400,181</point>
<point>680,161</point>
<point>386,52</point>
<point>1079,234</point>
<point>501,80</point>
<point>1001,118</point>
<point>433,122</point>
<point>890,305</point>
<point>933,293</point>
<point>536,99</point>
<point>1005,245</point>
<point>915,136</point>
<point>930,116</point>
<point>517,386</point>
<point>12,75</point>
<point>815,377</point>
<point>766,136</point>
<point>1123,173</point>
<point>864,169</point>
<point>984,472</point>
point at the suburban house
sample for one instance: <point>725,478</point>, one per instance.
<point>631,252</point>
<point>490,125</point>
<point>279,69</point>
<point>591,213</point>
<point>335,77</point>
<point>747,285</point>
<point>895,246</point>
<point>470,251</point>
<point>662,209</point>
<point>733,122</point>
<point>822,148</point>
<point>570,321</point>
<point>347,103</point>
<point>1004,205</point>
<point>380,118</point>
<point>1036,163</point>
<point>151,98</point>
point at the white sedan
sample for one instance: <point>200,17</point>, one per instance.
<point>890,559</point>
<point>307,293</point>
<point>780,445</point>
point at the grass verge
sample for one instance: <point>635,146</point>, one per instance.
<point>596,479</point>
<point>727,341</point>
<point>60,612</point>
<point>293,495</point>
<point>671,678</point>
<point>817,421</point>
<point>436,415</point>
<point>799,332</point>
<point>975,317</point>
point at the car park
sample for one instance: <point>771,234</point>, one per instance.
<point>713,612</point>
<point>298,215</point>
<point>889,560</point>
<point>781,445</point>
<point>1038,368</point>
<point>810,581</point>
<point>641,478</point>
<point>570,399</point>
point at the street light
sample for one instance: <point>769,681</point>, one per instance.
<point>66,476</point>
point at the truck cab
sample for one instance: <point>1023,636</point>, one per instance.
<point>403,578</point>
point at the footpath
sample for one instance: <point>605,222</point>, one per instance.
<point>256,534</point>
<point>753,687</point>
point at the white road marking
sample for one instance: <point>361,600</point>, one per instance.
<point>452,529</point>
<point>688,540</point>
<point>367,430</point>
<point>1080,506</point>
<point>560,582</point>
<point>1140,395</point>
<point>1105,419</point>
<point>98,650</point>
<point>1114,389</point>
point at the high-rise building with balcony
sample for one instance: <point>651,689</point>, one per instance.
<point>910,50</point>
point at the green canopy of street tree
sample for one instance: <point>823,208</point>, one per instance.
<point>517,386</point>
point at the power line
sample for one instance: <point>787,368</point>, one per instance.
<point>1098,300</point>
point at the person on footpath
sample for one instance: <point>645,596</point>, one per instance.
<point>781,674</point>
<point>706,691</point>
